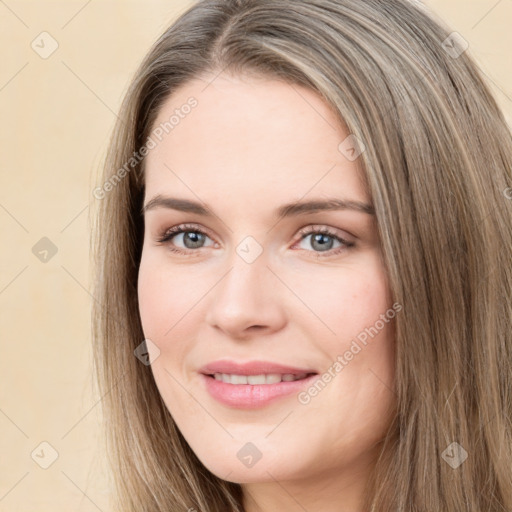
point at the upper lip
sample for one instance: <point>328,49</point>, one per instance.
<point>251,368</point>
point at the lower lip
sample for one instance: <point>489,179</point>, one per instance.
<point>252,396</point>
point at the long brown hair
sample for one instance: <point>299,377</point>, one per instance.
<point>438,166</point>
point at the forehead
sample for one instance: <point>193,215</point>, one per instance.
<point>253,137</point>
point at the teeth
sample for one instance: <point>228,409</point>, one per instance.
<point>270,378</point>
<point>256,379</point>
<point>238,379</point>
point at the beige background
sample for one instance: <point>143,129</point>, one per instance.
<point>57,114</point>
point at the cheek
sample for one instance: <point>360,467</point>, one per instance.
<point>152,298</point>
<point>171,313</point>
<point>165,302</point>
<point>354,328</point>
<point>344,301</point>
<point>165,294</point>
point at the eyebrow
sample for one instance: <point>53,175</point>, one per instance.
<point>288,210</point>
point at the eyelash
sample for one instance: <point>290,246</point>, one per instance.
<point>169,234</point>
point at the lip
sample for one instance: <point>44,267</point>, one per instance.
<point>251,368</point>
<point>252,396</point>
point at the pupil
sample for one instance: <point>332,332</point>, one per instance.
<point>321,239</point>
<point>195,239</point>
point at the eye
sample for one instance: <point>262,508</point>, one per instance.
<point>191,236</point>
<point>322,241</point>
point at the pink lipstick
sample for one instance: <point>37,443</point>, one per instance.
<point>255,383</point>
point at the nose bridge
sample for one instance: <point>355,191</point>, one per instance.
<point>246,295</point>
<point>246,280</point>
<point>248,266</point>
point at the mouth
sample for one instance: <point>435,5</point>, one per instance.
<point>258,380</point>
<point>242,391</point>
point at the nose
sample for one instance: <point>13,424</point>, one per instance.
<point>247,301</point>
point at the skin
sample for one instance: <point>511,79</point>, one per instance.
<point>250,146</point>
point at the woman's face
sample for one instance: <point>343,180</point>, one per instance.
<point>306,289</point>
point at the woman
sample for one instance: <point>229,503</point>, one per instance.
<point>303,266</point>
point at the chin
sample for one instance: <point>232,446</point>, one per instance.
<point>234,470</point>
